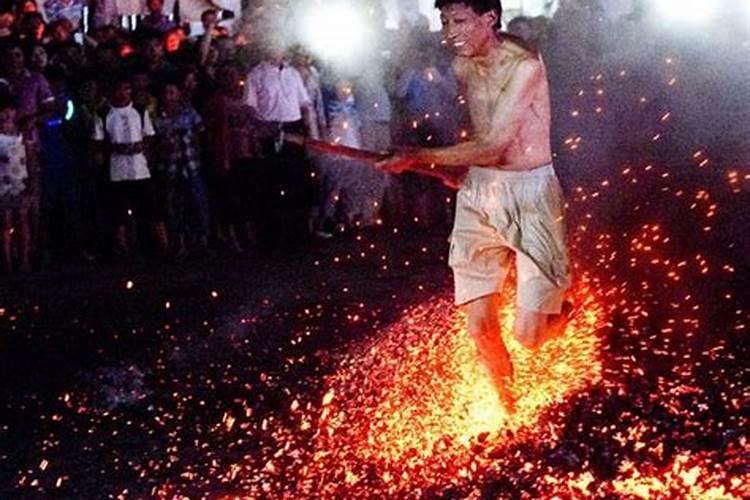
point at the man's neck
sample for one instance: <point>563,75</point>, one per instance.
<point>490,53</point>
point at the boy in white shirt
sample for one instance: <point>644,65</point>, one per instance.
<point>125,132</point>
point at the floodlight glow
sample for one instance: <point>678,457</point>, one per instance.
<point>686,11</point>
<point>335,31</point>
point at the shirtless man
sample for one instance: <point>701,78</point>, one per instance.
<point>510,201</point>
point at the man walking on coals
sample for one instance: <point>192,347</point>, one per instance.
<point>510,201</point>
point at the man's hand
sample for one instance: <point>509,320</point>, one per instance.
<point>397,163</point>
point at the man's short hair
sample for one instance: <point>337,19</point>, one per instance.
<point>478,6</point>
<point>209,12</point>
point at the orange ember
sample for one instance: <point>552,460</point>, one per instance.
<point>417,400</point>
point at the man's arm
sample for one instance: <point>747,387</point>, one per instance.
<point>204,45</point>
<point>487,149</point>
<point>306,107</point>
<point>250,95</point>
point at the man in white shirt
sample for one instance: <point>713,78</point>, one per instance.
<point>276,91</point>
<point>124,132</point>
<point>277,94</point>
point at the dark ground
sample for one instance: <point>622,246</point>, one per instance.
<point>120,356</point>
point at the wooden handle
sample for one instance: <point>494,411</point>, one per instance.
<point>452,177</point>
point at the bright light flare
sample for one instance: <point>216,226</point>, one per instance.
<point>336,31</point>
<point>690,12</point>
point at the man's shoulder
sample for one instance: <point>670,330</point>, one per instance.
<point>130,109</point>
<point>516,48</point>
<point>293,72</point>
<point>258,69</point>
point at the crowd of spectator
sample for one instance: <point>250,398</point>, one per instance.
<point>122,134</point>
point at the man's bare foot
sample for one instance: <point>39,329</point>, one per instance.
<point>501,373</point>
<point>503,386</point>
<point>555,328</point>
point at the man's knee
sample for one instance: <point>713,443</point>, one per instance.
<point>481,317</point>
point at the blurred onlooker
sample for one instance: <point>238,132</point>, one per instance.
<point>143,97</point>
<point>60,234</point>
<point>17,182</point>
<point>521,27</point>
<point>276,92</point>
<point>236,173</point>
<point>374,105</point>
<point>31,27</point>
<point>302,62</point>
<point>426,90</point>
<point>124,133</point>
<point>30,88</point>
<point>353,192</point>
<point>7,19</point>
<point>60,31</point>
<point>531,30</point>
<point>156,19</point>
<point>174,40</point>
<point>178,132</point>
<point>37,57</point>
<point>94,170</point>
<point>70,56</point>
<point>154,58</point>
<point>190,85</point>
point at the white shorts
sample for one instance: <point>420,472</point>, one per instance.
<point>500,213</point>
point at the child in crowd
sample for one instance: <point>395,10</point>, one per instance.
<point>125,133</point>
<point>17,183</point>
<point>239,182</point>
<point>178,130</point>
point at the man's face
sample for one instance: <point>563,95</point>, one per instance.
<point>208,20</point>
<point>15,58</point>
<point>121,94</point>
<point>140,82</point>
<point>7,118</point>
<point>171,95</point>
<point>173,40</point>
<point>154,50</point>
<point>190,83</point>
<point>39,58</point>
<point>155,6</point>
<point>465,30</point>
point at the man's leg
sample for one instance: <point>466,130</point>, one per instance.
<point>532,328</point>
<point>484,328</point>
